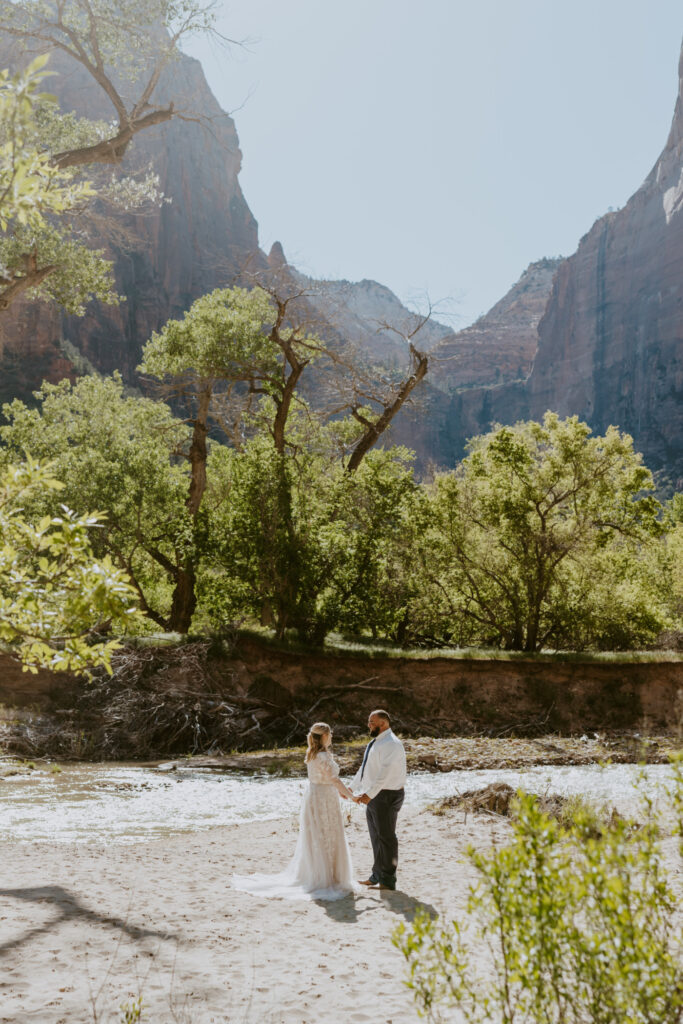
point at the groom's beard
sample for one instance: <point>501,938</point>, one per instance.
<point>374,732</point>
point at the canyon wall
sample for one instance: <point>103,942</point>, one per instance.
<point>198,240</point>
<point>610,342</point>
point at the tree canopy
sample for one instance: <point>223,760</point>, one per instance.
<point>117,452</point>
<point>56,598</point>
<point>537,539</point>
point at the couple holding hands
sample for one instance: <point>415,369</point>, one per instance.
<point>321,866</point>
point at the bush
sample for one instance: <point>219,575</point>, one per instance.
<point>580,928</point>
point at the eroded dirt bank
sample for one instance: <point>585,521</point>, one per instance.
<point>202,697</point>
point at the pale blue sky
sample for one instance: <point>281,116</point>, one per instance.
<point>439,146</point>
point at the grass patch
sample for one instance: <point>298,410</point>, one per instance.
<point>336,644</point>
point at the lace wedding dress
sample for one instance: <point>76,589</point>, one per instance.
<point>321,867</point>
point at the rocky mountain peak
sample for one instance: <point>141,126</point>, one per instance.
<point>500,346</point>
<point>609,341</point>
<point>276,257</point>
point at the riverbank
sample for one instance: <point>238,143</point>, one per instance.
<point>173,698</point>
<point>85,929</point>
<point>424,754</point>
<point>116,885</point>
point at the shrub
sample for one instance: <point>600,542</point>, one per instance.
<point>581,927</point>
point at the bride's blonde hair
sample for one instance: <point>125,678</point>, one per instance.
<point>316,735</point>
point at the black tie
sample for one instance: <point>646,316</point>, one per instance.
<point>365,758</point>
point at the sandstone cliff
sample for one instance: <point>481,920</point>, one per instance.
<point>501,345</point>
<point>197,241</point>
<point>611,340</point>
<point>610,346</point>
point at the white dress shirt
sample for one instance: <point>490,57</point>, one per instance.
<point>385,767</point>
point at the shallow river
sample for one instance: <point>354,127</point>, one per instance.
<point>126,803</point>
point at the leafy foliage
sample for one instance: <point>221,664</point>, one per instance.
<point>222,337</point>
<point>115,451</point>
<point>54,595</point>
<point>539,539</point>
<point>44,209</point>
<point>30,185</point>
<point>298,541</point>
<point>580,928</point>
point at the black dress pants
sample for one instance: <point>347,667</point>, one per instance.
<point>382,812</point>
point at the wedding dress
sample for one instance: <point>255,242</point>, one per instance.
<point>321,866</point>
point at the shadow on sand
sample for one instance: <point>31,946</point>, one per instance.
<point>69,908</point>
<point>350,908</point>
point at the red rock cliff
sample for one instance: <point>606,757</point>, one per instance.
<point>610,344</point>
<point>196,242</point>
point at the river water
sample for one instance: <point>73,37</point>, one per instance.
<point>117,803</point>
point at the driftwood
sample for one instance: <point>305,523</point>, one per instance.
<point>136,713</point>
<point>499,798</point>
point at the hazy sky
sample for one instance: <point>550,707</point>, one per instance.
<point>439,146</point>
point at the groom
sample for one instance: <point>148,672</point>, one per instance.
<point>380,779</point>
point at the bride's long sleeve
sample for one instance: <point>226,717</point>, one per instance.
<point>330,771</point>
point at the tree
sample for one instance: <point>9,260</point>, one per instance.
<point>376,407</point>
<point>120,46</point>
<point>240,357</point>
<point>34,254</point>
<point>56,598</point>
<point>44,247</point>
<point>538,522</point>
<point>117,452</point>
<point>674,560</point>
<point>227,338</point>
<point>318,568</point>
<point>54,595</point>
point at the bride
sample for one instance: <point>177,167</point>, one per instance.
<point>321,866</point>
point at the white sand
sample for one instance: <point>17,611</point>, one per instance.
<point>85,928</point>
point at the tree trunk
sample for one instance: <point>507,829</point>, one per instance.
<point>184,600</point>
<point>113,150</point>
<point>19,281</point>
<point>373,431</point>
<point>184,597</point>
<point>197,454</point>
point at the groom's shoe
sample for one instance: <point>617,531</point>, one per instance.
<point>384,886</point>
<point>369,881</point>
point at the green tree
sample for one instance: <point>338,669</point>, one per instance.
<point>30,185</point>
<point>240,357</point>
<point>672,570</point>
<point>229,339</point>
<point>34,193</point>
<point>124,47</point>
<point>540,532</point>
<point>321,566</point>
<point>56,598</point>
<point>116,452</point>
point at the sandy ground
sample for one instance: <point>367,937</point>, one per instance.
<point>86,928</point>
